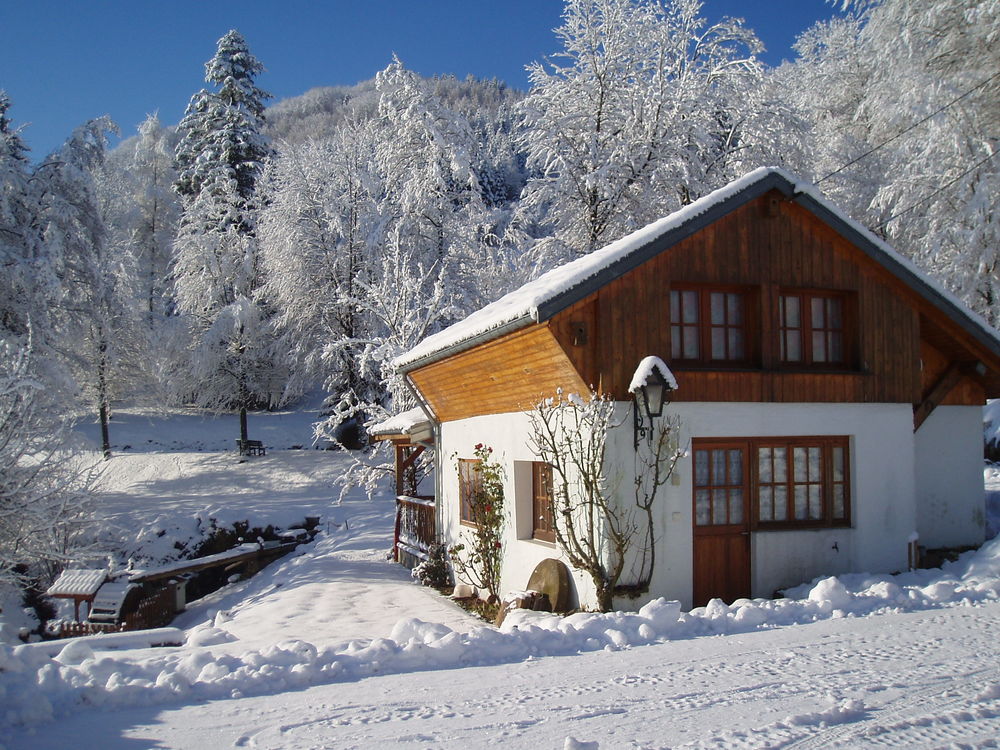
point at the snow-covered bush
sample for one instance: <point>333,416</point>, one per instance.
<point>434,571</point>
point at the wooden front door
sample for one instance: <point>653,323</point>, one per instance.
<point>721,521</point>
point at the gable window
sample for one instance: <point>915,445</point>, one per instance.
<point>470,484</point>
<point>812,328</point>
<point>708,325</point>
<point>541,502</point>
<point>792,482</point>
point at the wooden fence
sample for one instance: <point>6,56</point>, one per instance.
<point>153,611</point>
<point>415,526</point>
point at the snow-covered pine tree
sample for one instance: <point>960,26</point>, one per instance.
<point>632,117</point>
<point>28,286</point>
<point>218,273</point>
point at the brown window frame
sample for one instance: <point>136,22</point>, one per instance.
<point>808,329</point>
<point>797,451</point>
<point>542,499</point>
<point>705,326</point>
<point>470,481</point>
<point>753,480</point>
<point>720,494</point>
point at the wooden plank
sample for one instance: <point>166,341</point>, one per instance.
<point>944,385</point>
<point>790,248</point>
<point>507,374</point>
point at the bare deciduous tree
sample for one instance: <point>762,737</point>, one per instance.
<point>602,533</point>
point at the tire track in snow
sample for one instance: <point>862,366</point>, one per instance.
<point>938,709</point>
<point>938,714</point>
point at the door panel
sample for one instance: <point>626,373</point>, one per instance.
<point>721,521</point>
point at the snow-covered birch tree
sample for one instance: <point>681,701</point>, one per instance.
<point>43,505</point>
<point>901,98</point>
<point>633,117</point>
<point>148,210</point>
<point>96,328</point>
<point>318,233</point>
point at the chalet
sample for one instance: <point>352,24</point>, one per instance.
<point>829,393</point>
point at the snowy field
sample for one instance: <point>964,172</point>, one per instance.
<point>333,647</point>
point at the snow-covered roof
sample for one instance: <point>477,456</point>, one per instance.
<point>400,424</point>
<point>108,601</point>
<point>77,582</point>
<point>182,566</point>
<point>540,299</point>
<point>646,368</point>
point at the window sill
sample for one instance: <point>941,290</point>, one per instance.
<point>840,526</point>
<point>534,540</point>
<point>782,370</point>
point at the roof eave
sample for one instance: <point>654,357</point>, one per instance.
<point>458,347</point>
<point>861,239</point>
<point>770,181</point>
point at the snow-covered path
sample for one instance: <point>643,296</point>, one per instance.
<point>922,679</point>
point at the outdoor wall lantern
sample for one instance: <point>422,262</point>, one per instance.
<point>651,387</point>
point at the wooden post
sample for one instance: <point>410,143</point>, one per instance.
<point>395,533</point>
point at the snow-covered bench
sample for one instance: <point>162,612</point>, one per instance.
<point>251,447</point>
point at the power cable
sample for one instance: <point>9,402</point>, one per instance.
<point>947,185</point>
<point>938,111</point>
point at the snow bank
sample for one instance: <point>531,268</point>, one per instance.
<point>110,641</point>
<point>35,687</point>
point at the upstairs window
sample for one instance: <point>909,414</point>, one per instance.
<point>813,328</point>
<point>708,326</point>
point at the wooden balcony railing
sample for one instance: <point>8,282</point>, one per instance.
<point>415,527</point>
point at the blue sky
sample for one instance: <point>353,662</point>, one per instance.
<point>66,61</point>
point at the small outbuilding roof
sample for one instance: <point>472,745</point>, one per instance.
<point>402,424</point>
<point>108,601</point>
<point>539,300</point>
<point>77,582</point>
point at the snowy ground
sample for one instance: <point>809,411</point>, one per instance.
<point>316,651</point>
<point>924,679</point>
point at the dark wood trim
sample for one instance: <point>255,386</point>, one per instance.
<point>541,502</point>
<point>751,479</point>
<point>938,393</point>
<point>408,462</point>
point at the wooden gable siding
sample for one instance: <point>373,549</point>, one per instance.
<point>508,374</point>
<point>765,245</point>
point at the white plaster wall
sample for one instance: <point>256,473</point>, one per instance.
<point>949,477</point>
<point>507,435</point>
<point>883,507</point>
<point>882,494</point>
